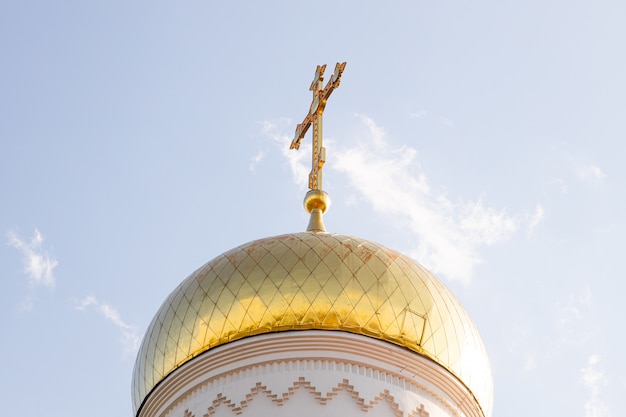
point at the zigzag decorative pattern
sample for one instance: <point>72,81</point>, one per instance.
<point>303,384</point>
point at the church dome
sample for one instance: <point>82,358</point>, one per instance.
<point>313,281</point>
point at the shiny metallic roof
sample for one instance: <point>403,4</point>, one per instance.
<point>313,281</point>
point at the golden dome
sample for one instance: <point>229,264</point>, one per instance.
<point>306,281</point>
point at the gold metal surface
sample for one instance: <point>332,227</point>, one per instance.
<point>306,281</point>
<point>316,199</point>
<point>316,202</point>
<point>314,117</point>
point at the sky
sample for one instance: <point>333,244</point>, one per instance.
<point>139,140</point>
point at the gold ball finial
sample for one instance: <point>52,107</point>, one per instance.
<point>316,199</point>
<point>316,202</point>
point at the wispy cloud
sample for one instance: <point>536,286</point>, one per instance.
<point>590,173</point>
<point>38,264</point>
<point>275,130</point>
<point>519,345</point>
<point>377,133</point>
<point>391,180</point>
<point>130,336</point>
<point>418,114</point>
<point>449,232</point>
<point>574,307</point>
<point>27,304</point>
<point>594,379</point>
<point>85,302</point>
<point>559,184</point>
<point>255,160</point>
<point>446,121</point>
<point>571,316</point>
<point>535,219</point>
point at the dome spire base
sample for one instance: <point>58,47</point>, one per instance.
<point>316,202</point>
<point>316,223</point>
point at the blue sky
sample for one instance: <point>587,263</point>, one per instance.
<point>139,140</point>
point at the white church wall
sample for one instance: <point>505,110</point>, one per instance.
<point>310,373</point>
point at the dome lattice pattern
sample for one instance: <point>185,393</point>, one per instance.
<point>312,281</point>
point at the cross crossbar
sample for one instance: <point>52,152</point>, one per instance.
<point>314,118</point>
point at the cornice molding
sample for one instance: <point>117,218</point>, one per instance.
<point>307,351</point>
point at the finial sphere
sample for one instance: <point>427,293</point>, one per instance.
<point>316,199</point>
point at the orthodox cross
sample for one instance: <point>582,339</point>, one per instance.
<point>320,96</point>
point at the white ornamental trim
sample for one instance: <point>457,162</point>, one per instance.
<point>306,351</point>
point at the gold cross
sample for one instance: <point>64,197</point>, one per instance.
<point>320,96</point>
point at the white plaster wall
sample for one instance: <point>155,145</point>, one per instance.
<point>310,373</point>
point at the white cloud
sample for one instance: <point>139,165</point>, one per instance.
<point>391,180</point>
<point>255,160</point>
<point>85,302</point>
<point>529,363</point>
<point>377,133</point>
<point>130,336</point>
<point>276,132</point>
<point>573,309</point>
<point>536,218</point>
<point>418,114</point>
<point>594,379</point>
<point>38,265</point>
<point>591,173</point>
<point>560,184</point>
<point>446,121</point>
<point>449,233</point>
<point>27,304</point>
<point>572,315</point>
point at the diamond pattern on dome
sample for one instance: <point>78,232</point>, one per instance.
<point>312,281</point>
